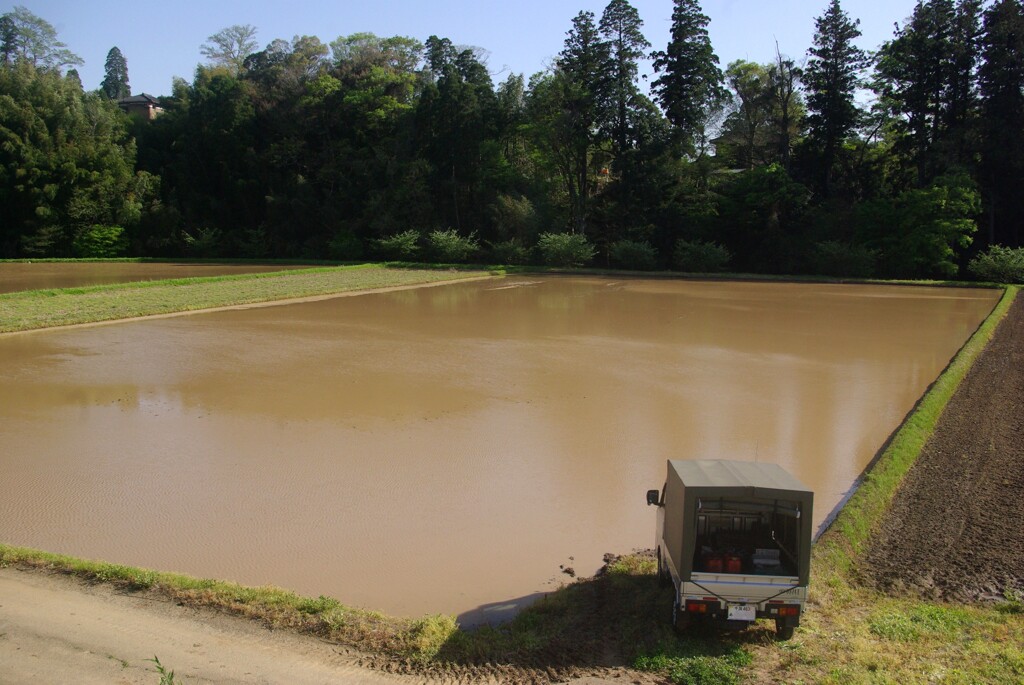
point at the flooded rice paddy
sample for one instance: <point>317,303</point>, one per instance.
<point>447,449</point>
<point>15,276</point>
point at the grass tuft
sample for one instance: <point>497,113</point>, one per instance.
<point>428,635</point>
<point>691,662</point>
<point>1013,604</point>
<point>166,676</point>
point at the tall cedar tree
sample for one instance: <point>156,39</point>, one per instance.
<point>621,27</point>
<point>584,59</point>
<point>830,80</point>
<point>926,77</point>
<point>440,54</point>
<point>8,39</point>
<point>963,106</point>
<point>456,114</point>
<point>583,65</point>
<point>115,80</point>
<point>690,81</point>
<point>1001,79</point>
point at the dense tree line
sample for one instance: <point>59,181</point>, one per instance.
<point>369,146</point>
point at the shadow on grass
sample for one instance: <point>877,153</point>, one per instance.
<point>497,613</point>
<point>620,618</point>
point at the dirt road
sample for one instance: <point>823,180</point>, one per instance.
<point>55,629</point>
<point>58,629</point>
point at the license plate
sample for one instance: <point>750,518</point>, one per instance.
<point>742,612</point>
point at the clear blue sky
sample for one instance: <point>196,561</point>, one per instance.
<point>161,39</point>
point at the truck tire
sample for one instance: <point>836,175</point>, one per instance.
<point>664,580</point>
<point>680,619</point>
<point>782,631</point>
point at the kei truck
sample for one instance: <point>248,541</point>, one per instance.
<point>734,540</point>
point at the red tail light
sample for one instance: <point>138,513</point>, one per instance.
<point>697,607</point>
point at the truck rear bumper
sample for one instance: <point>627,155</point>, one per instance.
<point>744,589</point>
<point>737,600</point>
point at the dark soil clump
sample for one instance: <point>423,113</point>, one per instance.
<point>955,529</point>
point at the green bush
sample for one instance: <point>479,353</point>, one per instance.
<point>99,241</point>
<point>565,249</point>
<point>509,252</point>
<point>700,256</point>
<point>345,246</point>
<point>399,247</point>
<point>513,217</point>
<point>206,242</point>
<point>256,244</point>
<point>632,254</point>
<point>833,258</point>
<point>999,265</point>
<point>921,232</point>
<point>449,246</point>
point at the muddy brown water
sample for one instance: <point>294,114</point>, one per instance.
<point>16,276</point>
<point>446,449</point>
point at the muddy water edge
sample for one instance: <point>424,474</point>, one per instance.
<point>16,276</point>
<point>446,449</point>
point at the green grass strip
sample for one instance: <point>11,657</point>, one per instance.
<point>36,309</point>
<point>837,550</point>
<point>324,616</point>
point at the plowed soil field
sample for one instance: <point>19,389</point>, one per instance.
<point>956,527</point>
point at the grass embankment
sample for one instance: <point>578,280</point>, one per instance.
<point>35,309</point>
<point>850,634</point>
<point>273,606</point>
